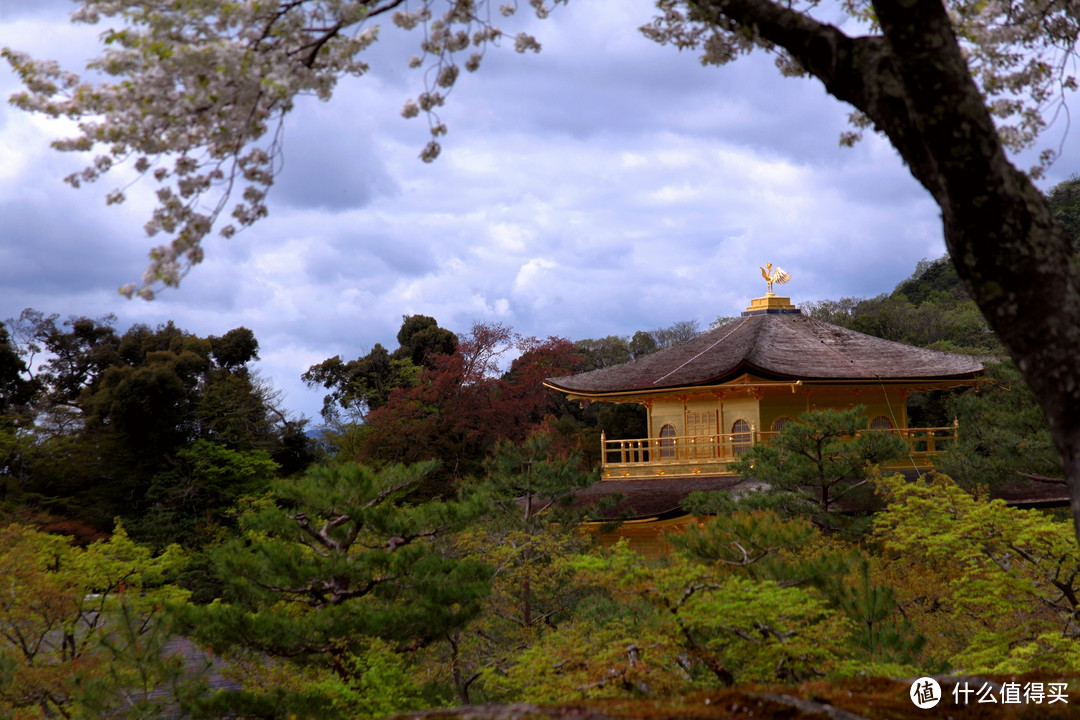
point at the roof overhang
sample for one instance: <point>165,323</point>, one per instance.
<point>745,380</point>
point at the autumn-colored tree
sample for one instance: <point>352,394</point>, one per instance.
<point>76,624</point>
<point>463,404</point>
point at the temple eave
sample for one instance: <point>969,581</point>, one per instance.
<point>913,383</point>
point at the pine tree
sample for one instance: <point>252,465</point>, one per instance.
<point>333,559</point>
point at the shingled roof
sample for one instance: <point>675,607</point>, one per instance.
<point>787,346</point>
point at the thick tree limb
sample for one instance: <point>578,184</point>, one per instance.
<point>1017,264</point>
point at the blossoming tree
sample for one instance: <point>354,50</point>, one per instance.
<point>195,91</point>
<point>198,90</point>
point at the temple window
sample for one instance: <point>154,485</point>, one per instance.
<point>667,442</point>
<point>740,437</point>
<point>780,423</point>
<point>700,427</point>
<point>881,423</point>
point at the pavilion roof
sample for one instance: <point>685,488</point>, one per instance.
<point>782,347</point>
<point>642,498</point>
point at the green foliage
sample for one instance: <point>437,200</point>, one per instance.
<point>235,348</point>
<point>532,528</point>
<point>616,643</point>
<point>604,352</point>
<point>932,280</point>
<point>15,389</point>
<point>365,384</point>
<point>531,481</point>
<point>718,626</point>
<point>1065,202</point>
<point>1010,578</point>
<point>677,332</point>
<point>882,635</point>
<point>631,652</point>
<point>762,546</point>
<point>380,682</point>
<point>1002,433</point>
<point>762,631</point>
<point>191,503</point>
<point>420,338</point>
<point>339,558</point>
<point>758,542</point>
<point>615,349</point>
<point>114,419</point>
<point>821,459</point>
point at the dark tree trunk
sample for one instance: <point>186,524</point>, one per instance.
<point>1015,261</point>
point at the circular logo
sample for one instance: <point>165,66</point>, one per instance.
<point>925,693</point>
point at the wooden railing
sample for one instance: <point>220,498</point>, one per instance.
<point>677,449</point>
<point>710,454</point>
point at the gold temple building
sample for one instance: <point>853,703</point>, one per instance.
<point>710,399</point>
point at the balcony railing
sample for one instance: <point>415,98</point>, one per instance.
<point>711,454</point>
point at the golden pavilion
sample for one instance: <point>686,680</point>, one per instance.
<point>710,399</point>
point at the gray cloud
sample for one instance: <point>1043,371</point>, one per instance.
<point>331,162</point>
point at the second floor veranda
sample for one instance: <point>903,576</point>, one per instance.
<point>714,454</point>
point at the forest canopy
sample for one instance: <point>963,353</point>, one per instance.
<point>428,551</point>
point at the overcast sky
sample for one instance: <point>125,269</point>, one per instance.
<point>604,186</point>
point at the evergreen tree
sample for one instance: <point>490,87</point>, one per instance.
<point>1065,202</point>
<point>333,559</point>
<point>822,458</point>
<point>365,384</point>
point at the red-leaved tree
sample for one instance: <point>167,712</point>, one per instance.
<point>464,405</point>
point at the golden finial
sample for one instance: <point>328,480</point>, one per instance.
<point>777,276</point>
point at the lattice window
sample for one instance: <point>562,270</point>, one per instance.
<point>740,437</point>
<point>667,442</point>
<point>881,423</point>
<point>780,423</point>
<point>701,425</point>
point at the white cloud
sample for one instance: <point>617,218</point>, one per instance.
<point>528,276</point>
<point>509,237</point>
